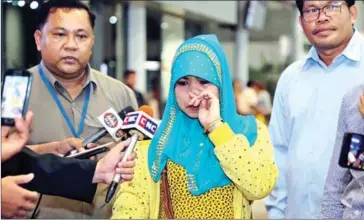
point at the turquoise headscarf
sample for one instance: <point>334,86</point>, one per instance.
<point>180,138</point>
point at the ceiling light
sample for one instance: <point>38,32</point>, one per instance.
<point>164,25</point>
<point>34,5</point>
<point>113,19</point>
<point>21,3</point>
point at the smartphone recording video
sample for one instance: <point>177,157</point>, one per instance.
<point>15,93</point>
<point>352,152</point>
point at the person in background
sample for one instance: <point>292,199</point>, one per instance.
<point>306,106</point>
<point>130,80</point>
<point>238,90</point>
<point>151,100</point>
<point>245,98</point>
<point>264,104</point>
<point>250,93</point>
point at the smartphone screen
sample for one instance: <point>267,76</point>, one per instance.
<point>14,97</point>
<point>352,151</point>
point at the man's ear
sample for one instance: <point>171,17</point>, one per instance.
<point>353,14</point>
<point>38,38</point>
<point>300,21</point>
<point>93,42</point>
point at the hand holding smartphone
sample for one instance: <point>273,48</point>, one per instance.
<point>91,152</point>
<point>352,151</point>
<point>15,93</point>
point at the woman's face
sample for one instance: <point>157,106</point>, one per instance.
<point>195,85</point>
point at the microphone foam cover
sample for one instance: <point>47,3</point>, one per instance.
<point>147,109</point>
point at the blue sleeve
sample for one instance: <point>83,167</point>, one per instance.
<point>276,202</point>
<point>338,178</point>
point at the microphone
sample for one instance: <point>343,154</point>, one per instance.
<point>140,125</point>
<point>103,131</point>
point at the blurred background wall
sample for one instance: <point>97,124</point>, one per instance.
<point>260,38</point>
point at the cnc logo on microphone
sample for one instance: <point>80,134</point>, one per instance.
<point>148,125</point>
<point>130,118</point>
<point>110,120</point>
<point>142,122</point>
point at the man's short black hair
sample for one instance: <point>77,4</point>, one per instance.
<point>127,73</point>
<point>50,5</point>
<point>250,83</point>
<point>299,4</point>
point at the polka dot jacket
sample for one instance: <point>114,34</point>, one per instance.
<point>251,169</point>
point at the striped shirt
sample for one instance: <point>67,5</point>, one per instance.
<point>344,188</point>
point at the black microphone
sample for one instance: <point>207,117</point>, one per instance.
<point>102,131</point>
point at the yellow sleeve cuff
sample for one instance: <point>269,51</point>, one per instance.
<point>221,135</point>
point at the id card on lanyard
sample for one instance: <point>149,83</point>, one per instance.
<point>60,107</point>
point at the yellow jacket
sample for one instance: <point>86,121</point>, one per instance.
<point>251,169</point>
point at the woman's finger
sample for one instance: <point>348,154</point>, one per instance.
<point>192,100</point>
<point>197,102</point>
<point>126,171</point>
<point>203,104</point>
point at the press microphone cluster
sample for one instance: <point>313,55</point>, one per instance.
<point>103,131</point>
<point>107,116</point>
<point>140,126</point>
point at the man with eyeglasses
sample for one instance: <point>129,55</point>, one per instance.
<point>307,103</point>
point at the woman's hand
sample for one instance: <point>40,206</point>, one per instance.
<point>209,107</point>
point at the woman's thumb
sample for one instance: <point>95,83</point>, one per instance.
<point>22,179</point>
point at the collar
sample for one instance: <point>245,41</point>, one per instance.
<point>90,78</point>
<point>351,52</point>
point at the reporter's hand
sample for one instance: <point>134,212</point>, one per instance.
<point>59,148</point>
<point>16,201</point>
<point>67,145</point>
<point>13,141</point>
<point>110,164</point>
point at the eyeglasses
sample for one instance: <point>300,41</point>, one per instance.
<point>329,10</point>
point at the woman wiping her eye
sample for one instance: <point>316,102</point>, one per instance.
<point>205,161</point>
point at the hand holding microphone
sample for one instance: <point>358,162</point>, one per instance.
<point>110,164</point>
<point>140,126</point>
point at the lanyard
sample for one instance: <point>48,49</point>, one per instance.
<point>60,107</point>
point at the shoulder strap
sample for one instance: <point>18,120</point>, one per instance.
<point>166,195</point>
